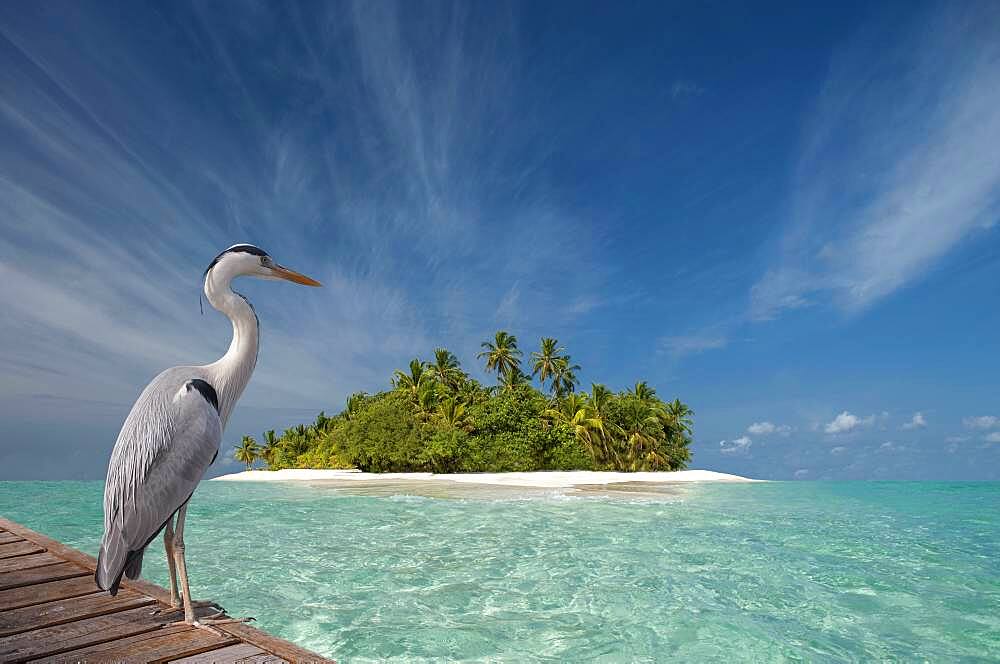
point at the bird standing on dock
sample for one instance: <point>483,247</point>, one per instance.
<point>172,435</point>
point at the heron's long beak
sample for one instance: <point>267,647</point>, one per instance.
<point>282,272</point>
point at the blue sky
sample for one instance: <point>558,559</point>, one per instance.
<point>785,215</point>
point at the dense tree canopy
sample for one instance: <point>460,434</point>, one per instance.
<point>436,418</point>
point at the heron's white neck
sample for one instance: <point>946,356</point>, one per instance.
<point>230,374</point>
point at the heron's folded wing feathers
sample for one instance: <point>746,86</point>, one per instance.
<point>166,444</point>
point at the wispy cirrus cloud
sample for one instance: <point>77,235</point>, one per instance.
<point>893,173</point>
<point>346,145</point>
<point>682,346</point>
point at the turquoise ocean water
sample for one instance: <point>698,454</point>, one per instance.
<point>744,572</point>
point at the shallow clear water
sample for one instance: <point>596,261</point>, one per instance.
<point>747,572</point>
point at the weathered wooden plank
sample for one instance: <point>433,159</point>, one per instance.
<point>268,658</point>
<point>272,644</point>
<point>68,610</point>
<point>242,653</point>
<point>163,645</point>
<point>35,575</point>
<point>78,634</point>
<point>13,549</point>
<point>57,548</point>
<point>15,598</point>
<point>29,561</point>
<point>54,546</point>
<point>7,537</point>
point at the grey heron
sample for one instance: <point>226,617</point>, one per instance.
<point>172,435</point>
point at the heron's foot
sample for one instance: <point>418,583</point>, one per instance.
<point>195,604</point>
<point>208,622</point>
<point>225,621</point>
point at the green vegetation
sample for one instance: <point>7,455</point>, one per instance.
<point>248,452</point>
<point>436,418</point>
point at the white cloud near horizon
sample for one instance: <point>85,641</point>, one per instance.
<point>897,168</point>
<point>847,422</point>
<point>740,446</point>
<point>767,428</point>
<point>916,422</point>
<point>981,422</point>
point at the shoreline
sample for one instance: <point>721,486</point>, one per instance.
<point>538,479</point>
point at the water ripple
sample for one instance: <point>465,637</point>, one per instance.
<point>762,572</point>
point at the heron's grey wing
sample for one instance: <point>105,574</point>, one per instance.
<point>167,442</point>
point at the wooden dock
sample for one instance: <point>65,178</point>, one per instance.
<point>51,611</point>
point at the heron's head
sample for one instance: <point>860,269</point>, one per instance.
<point>246,260</point>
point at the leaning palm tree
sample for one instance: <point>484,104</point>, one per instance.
<point>599,402</point>
<point>545,359</point>
<point>564,380</point>
<point>247,452</point>
<point>502,355</point>
<point>588,429</point>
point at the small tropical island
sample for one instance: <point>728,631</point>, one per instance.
<point>437,419</point>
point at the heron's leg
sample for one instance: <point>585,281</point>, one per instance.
<point>189,604</point>
<point>168,544</point>
<point>178,547</point>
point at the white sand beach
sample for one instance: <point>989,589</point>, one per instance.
<point>540,480</point>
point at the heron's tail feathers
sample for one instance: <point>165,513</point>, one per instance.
<point>113,560</point>
<point>133,564</point>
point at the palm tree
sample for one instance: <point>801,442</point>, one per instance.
<point>354,404</point>
<point>502,355</point>
<point>247,452</point>
<point>564,378</point>
<point>588,429</point>
<point>270,448</point>
<point>426,400</point>
<point>470,392</point>
<point>643,434</point>
<point>451,411</point>
<point>413,381</point>
<point>643,391</point>
<point>445,368</point>
<point>600,402</point>
<point>545,359</point>
<point>514,378</point>
<point>680,415</point>
<point>600,397</point>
